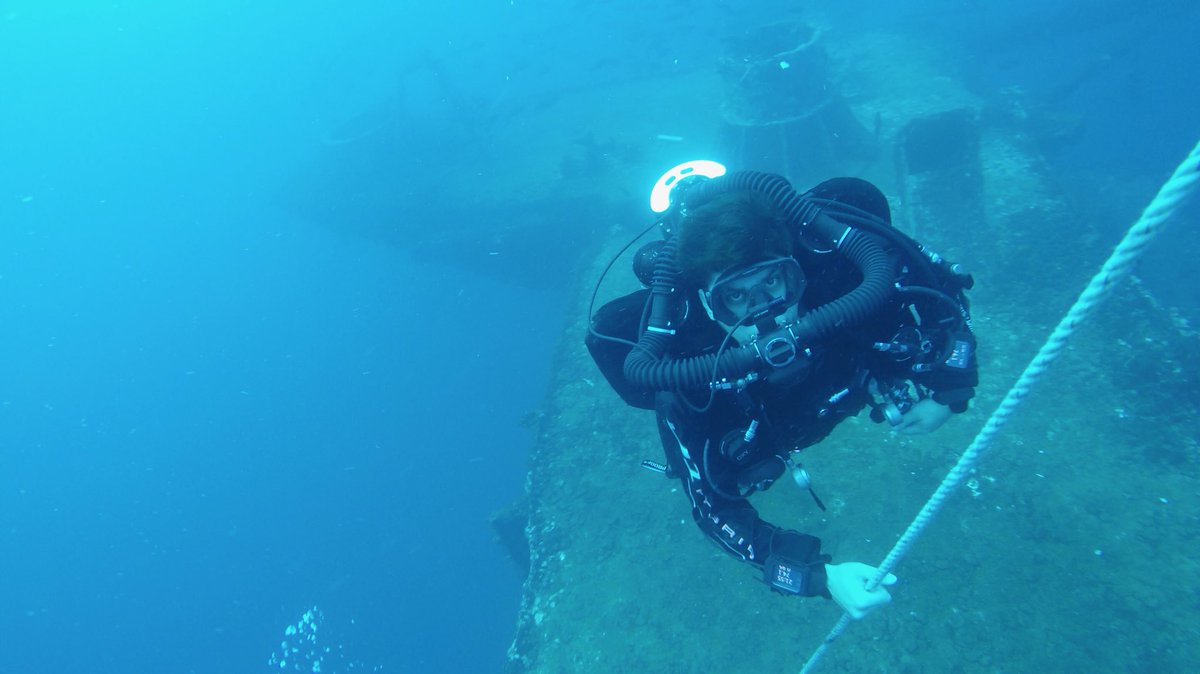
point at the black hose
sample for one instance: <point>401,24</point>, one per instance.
<point>665,286</point>
<point>876,288</point>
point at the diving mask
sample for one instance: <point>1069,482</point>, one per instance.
<point>769,287</point>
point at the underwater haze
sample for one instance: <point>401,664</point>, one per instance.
<point>215,414</point>
<point>283,286</point>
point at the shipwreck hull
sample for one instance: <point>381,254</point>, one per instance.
<point>1050,561</point>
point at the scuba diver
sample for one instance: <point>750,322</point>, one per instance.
<point>766,318</point>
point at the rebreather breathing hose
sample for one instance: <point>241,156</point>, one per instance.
<point>1170,196</point>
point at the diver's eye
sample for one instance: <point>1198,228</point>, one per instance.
<point>735,296</point>
<point>773,280</point>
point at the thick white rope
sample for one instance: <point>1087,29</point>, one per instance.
<point>1165,203</point>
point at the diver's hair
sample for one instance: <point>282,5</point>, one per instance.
<point>736,229</point>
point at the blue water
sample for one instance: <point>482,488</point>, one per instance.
<point>216,414</point>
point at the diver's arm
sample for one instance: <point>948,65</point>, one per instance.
<point>791,561</point>
<point>949,388</point>
<point>939,358</point>
<point>944,388</point>
<point>952,381</point>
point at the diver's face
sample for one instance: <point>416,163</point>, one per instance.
<point>731,298</point>
<point>744,293</point>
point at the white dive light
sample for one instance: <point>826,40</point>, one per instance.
<point>660,196</point>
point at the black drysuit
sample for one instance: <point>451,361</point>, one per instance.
<point>706,450</point>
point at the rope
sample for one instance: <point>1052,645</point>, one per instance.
<point>1165,203</point>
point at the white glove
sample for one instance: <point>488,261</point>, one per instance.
<point>848,584</point>
<point>924,417</point>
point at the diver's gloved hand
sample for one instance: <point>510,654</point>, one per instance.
<point>925,416</point>
<point>847,582</point>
